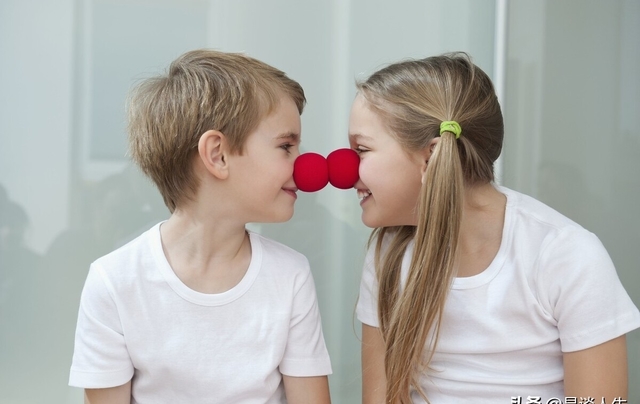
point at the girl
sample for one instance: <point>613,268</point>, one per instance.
<point>472,292</point>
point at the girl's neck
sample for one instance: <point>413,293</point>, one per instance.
<point>481,228</point>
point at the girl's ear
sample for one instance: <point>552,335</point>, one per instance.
<point>427,153</point>
<point>213,150</point>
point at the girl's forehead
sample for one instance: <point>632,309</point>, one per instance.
<point>363,116</point>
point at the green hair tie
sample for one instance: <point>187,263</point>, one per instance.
<point>451,126</point>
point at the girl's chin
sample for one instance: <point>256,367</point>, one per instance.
<point>375,222</point>
<point>371,222</point>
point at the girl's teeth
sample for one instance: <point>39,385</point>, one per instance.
<point>363,194</point>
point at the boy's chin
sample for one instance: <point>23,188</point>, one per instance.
<point>279,217</point>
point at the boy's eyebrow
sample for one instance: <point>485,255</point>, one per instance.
<point>294,137</point>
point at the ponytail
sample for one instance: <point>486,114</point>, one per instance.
<point>418,310</point>
<point>413,98</point>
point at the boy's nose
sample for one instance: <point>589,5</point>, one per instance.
<point>312,172</point>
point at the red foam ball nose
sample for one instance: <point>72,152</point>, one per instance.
<point>310,172</point>
<point>343,168</point>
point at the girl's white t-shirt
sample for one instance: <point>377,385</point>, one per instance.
<point>551,288</point>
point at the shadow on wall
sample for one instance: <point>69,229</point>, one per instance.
<point>42,308</point>
<point>19,267</point>
<point>39,295</point>
<point>336,253</point>
<point>17,261</point>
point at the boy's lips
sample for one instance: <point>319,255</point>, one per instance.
<point>291,191</point>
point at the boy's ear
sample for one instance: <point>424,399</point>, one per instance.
<point>214,151</point>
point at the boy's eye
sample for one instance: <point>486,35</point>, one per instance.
<point>286,147</point>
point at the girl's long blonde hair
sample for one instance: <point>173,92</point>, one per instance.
<point>413,97</point>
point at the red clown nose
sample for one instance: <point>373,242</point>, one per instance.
<point>343,168</point>
<point>312,172</point>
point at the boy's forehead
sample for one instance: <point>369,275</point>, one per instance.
<point>284,120</point>
<point>282,124</point>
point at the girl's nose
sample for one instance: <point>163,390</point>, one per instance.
<point>343,168</point>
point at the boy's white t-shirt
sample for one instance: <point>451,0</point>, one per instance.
<point>551,288</point>
<point>138,320</point>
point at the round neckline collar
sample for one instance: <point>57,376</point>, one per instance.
<point>206,299</point>
<point>484,277</point>
<point>497,263</point>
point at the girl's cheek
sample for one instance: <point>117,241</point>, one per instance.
<point>363,169</point>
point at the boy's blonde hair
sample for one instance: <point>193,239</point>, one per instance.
<point>413,98</point>
<point>203,90</point>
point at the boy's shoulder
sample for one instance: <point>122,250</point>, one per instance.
<point>134,254</point>
<point>274,251</point>
<point>138,257</point>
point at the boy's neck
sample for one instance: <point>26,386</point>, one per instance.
<point>208,254</point>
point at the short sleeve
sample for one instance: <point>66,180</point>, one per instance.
<point>367,306</point>
<point>582,292</point>
<point>305,353</point>
<point>100,356</point>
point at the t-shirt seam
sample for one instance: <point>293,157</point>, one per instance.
<point>368,314</point>
<point>539,291</point>
<point>518,208</point>
<point>307,274</point>
<point>540,273</point>
<point>597,332</point>
<point>96,372</point>
<point>111,292</point>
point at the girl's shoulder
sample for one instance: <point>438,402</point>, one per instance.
<point>558,248</point>
<point>537,230</point>
<point>529,210</point>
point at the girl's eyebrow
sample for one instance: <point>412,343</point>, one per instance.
<point>294,137</point>
<point>358,136</point>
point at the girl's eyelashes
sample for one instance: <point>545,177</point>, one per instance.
<point>360,149</point>
<point>286,147</point>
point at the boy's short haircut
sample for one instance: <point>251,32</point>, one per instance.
<point>203,90</point>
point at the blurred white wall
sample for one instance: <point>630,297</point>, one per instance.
<point>36,75</point>
<point>572,113</point>
<point>68,193</point>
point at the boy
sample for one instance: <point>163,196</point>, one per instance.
<point>197,309</point>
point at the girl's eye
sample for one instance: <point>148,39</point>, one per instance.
<point>360,149</point>
<point>286,147</point>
